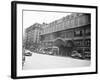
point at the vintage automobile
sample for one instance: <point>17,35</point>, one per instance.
<point>49,50</point>
<point>28,53</point>
<point>41,51</point>
<point>81,53</point>
<point>76,54</point>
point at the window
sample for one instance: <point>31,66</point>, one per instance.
<point>69,34</point>
<point>87,31</point>
<point>76,22</point>
<point>78,43</point>
<point>62,35</point>
<point>87,42</point>
<point>78,32</point>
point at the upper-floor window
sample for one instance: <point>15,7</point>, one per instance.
<point>87,31</point>
<point>78,32</point>
<point>69,34</point>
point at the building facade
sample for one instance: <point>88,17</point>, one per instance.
<point>33,36</point>
<point>68,33</point>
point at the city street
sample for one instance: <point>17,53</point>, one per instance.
<point>40,61</point>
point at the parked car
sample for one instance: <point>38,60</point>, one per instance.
<point>49,50</point>
<point>46,51</point>
<point>41,51</point>
<point>28,53</point>
<point>76,54</point>
<point>55,50</point>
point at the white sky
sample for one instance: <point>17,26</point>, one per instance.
<point>31,17</point>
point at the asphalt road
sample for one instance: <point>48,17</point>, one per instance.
<point>40,61</point>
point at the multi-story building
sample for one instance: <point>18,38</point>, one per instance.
<point>68,33</point>
<point>33,35</point>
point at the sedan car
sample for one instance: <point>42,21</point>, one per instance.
<point>28,53</point>
<point>75,54</point>
<point>41,51</point>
